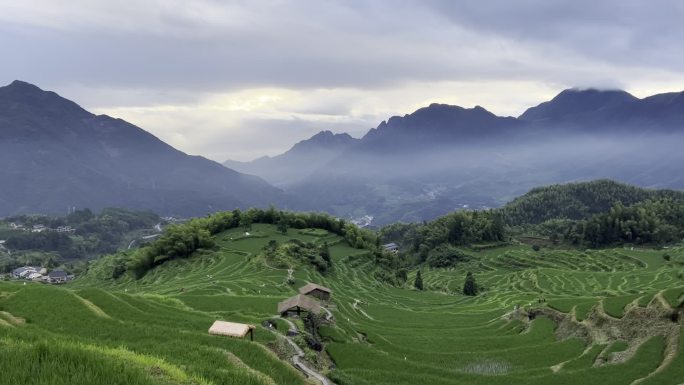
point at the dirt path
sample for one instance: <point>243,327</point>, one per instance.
<point>298,357</point>
<point>328,314</point>
<point>659,297</point>
<point>355,305</point>
<point>556,368</point>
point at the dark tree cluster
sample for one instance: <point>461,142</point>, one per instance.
<point>437,242</point>
<point>576,201</point>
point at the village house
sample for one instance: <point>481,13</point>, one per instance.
<point>391,247</point>
<point>57,276</point>
<point>314,290</point>
<point>298,304</point>
<point>23,272</point>
<point>34,276</point>
<point>65,229</point>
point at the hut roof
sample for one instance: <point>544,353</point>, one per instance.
<point>57,274</point>
<point>231,329</point>
<point>309,287</point>
<point>301,301</point>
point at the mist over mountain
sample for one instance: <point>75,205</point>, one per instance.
<point>300,161</point>
<point>56,155</point>
<point>441,157</point>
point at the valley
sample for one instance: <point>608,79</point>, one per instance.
<point>341,192</point>
<point>156,326</point>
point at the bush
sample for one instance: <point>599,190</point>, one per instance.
<point>470,286</point>
<point>446,255</point>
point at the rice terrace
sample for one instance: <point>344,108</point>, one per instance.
<point>549,315</point>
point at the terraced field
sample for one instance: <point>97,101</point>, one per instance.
<point>598,317</point>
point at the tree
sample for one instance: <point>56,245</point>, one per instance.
<point>282,226</point>
<point>325,254</point>
<point>402,275</point>
<point>246,221</point>
<point>418,284</point>
<point>470,287</point>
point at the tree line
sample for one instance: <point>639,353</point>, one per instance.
<point>656,222</point>
<point>181,241</point>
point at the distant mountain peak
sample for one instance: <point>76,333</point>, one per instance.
<point>56,154</point>
<point>324,139</point>
<point>22,84</point>
<point>574,101</point>
<point>29,98</point>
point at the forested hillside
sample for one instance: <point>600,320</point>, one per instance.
<point>577,201</point>
<point>50,241</point>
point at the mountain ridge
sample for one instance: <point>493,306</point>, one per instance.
<point>441,157</point>
<point>58,155</point>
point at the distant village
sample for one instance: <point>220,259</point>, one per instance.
<point>41,274</point>
<point>41,228</point>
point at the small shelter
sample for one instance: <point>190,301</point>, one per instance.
<point>315,290</point>
<point>232,329</point>
<point>297,304</point>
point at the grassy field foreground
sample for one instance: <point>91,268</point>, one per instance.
<point>154,330</point>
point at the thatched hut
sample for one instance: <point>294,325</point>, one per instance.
<point>298,304</point>
<point>232,329</point>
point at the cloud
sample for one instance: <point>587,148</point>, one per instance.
<point>211,77</point>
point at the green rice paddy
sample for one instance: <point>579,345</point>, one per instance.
<point>154,330</point>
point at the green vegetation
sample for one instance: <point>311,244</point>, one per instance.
<point>92,235</point>
<point>182,241</point>
<point>418,283</point>
<point>490,307</point>
<point>155,326</point>
<point>577,201</point>
<point>470,287</point>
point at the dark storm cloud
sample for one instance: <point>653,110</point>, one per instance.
<point>622,32</point>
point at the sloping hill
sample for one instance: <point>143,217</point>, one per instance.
<point>56,155</point>
<point>391,335</point>
<point>577,200</point>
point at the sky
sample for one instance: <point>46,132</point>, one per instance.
<point>242,79</point>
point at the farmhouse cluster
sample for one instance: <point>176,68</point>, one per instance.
<point>41,228</point>
<point>306,301</point>
<point>41,274</point>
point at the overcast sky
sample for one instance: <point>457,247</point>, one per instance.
<point>241,79</point>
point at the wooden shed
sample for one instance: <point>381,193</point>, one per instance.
<point>232,329</point>
<point>315,290</point>
<point>297,304</point>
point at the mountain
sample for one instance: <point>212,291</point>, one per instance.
<point>57,155</point>
<point>299,161</point>
<point>438,124</point>
<point>574,103</point>
<point>442,158</point>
